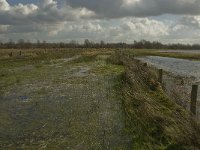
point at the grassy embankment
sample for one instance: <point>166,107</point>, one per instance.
<point>153,120</point>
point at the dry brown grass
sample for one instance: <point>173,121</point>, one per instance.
<point>154,120</point>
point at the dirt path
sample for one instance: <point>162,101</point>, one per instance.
<point>65,107</point>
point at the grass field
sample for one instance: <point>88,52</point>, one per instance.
<point>87,99</point>
<point>60,100</point>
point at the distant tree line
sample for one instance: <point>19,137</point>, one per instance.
<point>143,44</point>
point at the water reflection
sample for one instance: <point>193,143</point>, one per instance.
<point>181,51</point>
<point>181,67</point>
<point>178,67</point>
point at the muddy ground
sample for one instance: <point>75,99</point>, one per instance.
<point>64,103</point>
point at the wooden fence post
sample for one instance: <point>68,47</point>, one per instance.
<point>145,65</point>
<point>20,53</point>
<point>11,54</point>
<point>160,76</point>
<point>193,103</point>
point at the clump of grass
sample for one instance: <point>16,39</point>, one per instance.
<point>114,58</point>
<point>18,81</point>
<point>85,58</point>
<point>5,73</point>
<point>39,66</point>
<point>153,120</point>
<point>107,69</point>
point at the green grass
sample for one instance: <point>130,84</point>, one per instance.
<point>105,69</point>
<point>153,120</point>
<point>50,103</point>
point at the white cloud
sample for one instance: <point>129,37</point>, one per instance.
<point>138,8</point>
<point>44,17</point>
<point>3,28</point>
<point>117,30</point>
<point>46,11</point>
<point>4,6</point>
<point>191,21</point>
<point>50,3</point>
<point>21,9</point>
<point>145,27</point>
<point>109,20</point>
<point>126,30</point>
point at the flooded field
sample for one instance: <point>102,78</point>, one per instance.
<point>181,51</point>
<point>181,75</point>
<point>65,103</point>
<point>181,67</point>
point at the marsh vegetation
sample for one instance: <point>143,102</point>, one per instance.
<point>61,100</point>
<point>87,99</point>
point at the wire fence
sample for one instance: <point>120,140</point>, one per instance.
<point>179,89</point>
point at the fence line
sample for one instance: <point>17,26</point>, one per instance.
<point>179,88</point>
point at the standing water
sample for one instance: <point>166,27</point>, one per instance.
<point>181,51</point>
<point>183,67</point>
<point>178,67</point>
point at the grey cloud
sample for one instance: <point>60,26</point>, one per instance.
<point>104,8</point>
<point>74,20</point>
<point>126,30</point>
<point>45,17</point>
<point>138,8</point>
<point>190,21</point>
<point>45,12</point>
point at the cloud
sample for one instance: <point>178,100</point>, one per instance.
<point>138,8</point>
<point>115,30</point>
<point>191,21</point>
<point>45,17</point>
<point>3,28</point>
<point>127,30</point>
<point>145,27</point>
<point>4,5</point>
<point>46,11</point>
<point>108,20</point>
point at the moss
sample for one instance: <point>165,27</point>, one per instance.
<point>107,69</point>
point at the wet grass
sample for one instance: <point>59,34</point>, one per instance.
<point>88,99</point>
<point>48,102</point>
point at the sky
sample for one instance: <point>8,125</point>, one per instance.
<point>166,21</point>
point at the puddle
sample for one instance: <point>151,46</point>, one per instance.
<point>79,71</point>
<point>60,62</point>
<point>24,68</point>
<point>24,98</point>
<point>82,72</point>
